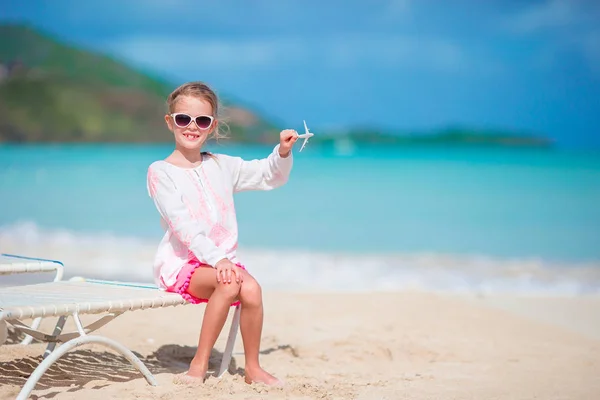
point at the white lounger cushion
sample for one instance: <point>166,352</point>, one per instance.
<point>67,297</point>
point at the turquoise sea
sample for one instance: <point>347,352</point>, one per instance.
<point>368,218</point>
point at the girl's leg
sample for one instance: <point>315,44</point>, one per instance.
<point>204,285</point>
<point>251,322</point>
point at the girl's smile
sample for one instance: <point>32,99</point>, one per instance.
<point>191,136</point>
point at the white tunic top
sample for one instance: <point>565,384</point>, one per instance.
<point>197,209</point>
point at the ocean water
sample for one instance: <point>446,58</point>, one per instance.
<point>451,219</point>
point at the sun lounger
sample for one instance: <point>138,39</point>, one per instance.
<point>86,296</point>
<point>15,264</point>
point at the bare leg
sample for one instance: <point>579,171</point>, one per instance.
<point>251,323</point>
<point>204,285</point>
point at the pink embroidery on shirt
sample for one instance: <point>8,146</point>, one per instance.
<point>224,208</point>
<point>203,209</point>
<point>152,181</point>
<point>172,223</point>
<point>196,213</point>
<point>183,238</point>
<point>219,234</point>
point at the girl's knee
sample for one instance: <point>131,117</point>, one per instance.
<point>229,290</point>
<point>250,293</point>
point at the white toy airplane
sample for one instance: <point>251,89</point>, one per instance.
<point>305,136</point>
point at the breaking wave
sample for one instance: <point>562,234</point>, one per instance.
<point>106,256</point>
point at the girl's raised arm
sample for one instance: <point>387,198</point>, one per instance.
<point>262,174</point>
<point>192,232</point>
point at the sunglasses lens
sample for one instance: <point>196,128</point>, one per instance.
<point>203,122</point>
<point>182,120</point>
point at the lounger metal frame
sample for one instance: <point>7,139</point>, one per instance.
<point>78,296</point>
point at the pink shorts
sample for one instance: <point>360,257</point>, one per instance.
<point>183,282</point>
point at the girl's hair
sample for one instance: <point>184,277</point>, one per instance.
<point>202,91</point>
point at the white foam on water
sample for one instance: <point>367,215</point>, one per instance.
<point>101,256</point>
<point>107,256</point>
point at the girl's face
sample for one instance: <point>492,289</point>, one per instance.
<point>191,122</point>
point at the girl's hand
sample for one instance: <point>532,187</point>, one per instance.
<point>287,138</point>
<point>225,269</point>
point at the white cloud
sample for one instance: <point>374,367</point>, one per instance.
<point>396,10</point>
<point>551,14</point>
<point>174,52</point>
<point>133,12</point>
<point>392,51</point>
<point>572,25</point>
<point>590,47</point>
<point>273,52</point>
<point>555,15</point>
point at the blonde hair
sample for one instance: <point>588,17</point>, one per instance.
<point>202,91</point>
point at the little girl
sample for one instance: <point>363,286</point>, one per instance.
<point>193,192</point>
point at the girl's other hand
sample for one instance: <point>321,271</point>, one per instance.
<point>225,269</point>
<point>287,138</point>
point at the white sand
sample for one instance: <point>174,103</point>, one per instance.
<point>406,345</point>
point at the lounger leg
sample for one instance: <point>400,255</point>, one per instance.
<point>3,332</point>
<point>55,355</point>
<point>36,324</point>
<point>235,323</point>
<point>57,330</point>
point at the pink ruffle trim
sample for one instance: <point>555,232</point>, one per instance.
<point>183,282</point>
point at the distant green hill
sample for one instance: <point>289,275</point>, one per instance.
<point>54,92</point>
<point>442,137</point>
<point>57,92</point>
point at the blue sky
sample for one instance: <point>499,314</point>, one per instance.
<point>398,64</point>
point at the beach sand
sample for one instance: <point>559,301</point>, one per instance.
<point>403,345</point>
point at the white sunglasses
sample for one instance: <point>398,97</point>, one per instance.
<point>184,120</point>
